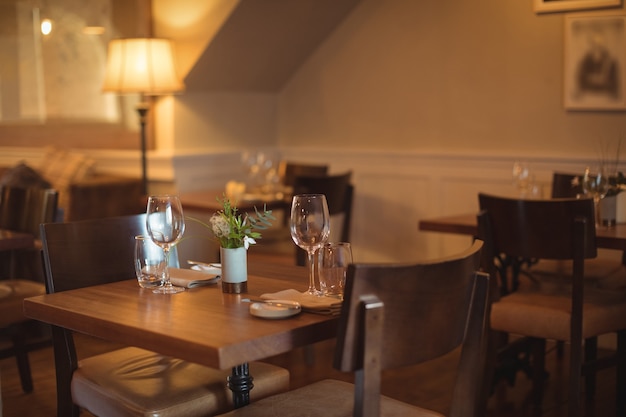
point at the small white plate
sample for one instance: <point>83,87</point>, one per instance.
<point>275,309</point>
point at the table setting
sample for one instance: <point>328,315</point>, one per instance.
<point>236,232</point>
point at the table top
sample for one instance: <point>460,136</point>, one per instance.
<point>613,237</point>
<point>207,201</point>
<point>201,325</point>
<point>10,240</point>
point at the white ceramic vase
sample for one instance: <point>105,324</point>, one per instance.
<point>234,270</point>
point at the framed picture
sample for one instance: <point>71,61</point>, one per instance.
<point>595,62</point>
<point>547,6</point>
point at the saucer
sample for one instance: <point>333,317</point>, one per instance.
<point>275,309</point>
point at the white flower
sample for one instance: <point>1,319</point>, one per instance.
<point>220,226</point>
<point>247,241</point>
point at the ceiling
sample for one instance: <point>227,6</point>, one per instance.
<point>262,43</point>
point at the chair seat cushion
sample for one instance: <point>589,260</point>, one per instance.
<point>597,269</point>
<point>327,398</point>
<point>137,382</point>
<point>12,294</point>
<point>547,315</point>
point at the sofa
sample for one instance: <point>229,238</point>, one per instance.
<point>83,193</point>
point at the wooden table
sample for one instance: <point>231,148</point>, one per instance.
<point>201,325</point>
<point>613,237</point>
<point>10,240</point>
<point>207,201</point>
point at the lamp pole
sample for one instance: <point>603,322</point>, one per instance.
<point>142,110</point>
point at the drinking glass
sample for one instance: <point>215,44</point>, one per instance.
<point>522,177</point>
<point>333,261</point>
<point>166,224</point>
<point>310,228</point>
<point>149,262</point>
<point>596,185</point>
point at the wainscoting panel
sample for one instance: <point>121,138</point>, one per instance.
<point>393,189</point>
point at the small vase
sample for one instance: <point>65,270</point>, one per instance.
<point>234,270</point>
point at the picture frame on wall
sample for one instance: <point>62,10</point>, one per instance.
<point>548,6</point>
<point>595,61</point>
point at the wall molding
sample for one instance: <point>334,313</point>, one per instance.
<point>393,189</point>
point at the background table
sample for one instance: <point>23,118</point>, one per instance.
<point>613,237</point>
<point>10,240</point>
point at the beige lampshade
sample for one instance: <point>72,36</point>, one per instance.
<point>141,65</point>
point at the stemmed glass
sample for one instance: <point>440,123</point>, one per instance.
<point>310,228</point>
<point>165,224</point>
<point>596,184</point>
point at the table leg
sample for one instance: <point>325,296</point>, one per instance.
<point>240,383</point>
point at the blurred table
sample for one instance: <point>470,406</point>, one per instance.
<point>613,237</point>
<point>208,201</point>
<point>10,240</point>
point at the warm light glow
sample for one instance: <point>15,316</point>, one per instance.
<point>141,65</point>
<point>46,26</point>
<point>93,30</point>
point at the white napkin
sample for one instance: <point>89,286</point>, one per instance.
<point>190,279</point>
<point>310,303</point>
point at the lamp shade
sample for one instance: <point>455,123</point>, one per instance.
<point>141,65</point>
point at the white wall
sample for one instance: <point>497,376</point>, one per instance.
<point>442,76</point>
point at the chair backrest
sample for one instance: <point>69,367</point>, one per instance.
<point>418,312</point>
<point>566,185</point>
<point>288,171</point>
<point>339,193</point>
<point>81,254</point>
<point>24,209</point>
<point>561,228</point>
<point>90,252</point>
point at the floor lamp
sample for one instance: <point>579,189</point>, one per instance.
<point>144,66</point>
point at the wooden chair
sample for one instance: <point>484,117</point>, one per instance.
<point>561,229</point>
<point>395,316</point>
<point>566,185</point>
<point>127,381</point>
<point>289,170</point>
<point>22,210</point>
<point>599,272</point>
<point>339,195</point>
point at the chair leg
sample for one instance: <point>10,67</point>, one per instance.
<point>575,375</point>
<point>23,364</point>
<point>591,353</point>
<point>560,349</point>
<point>621,374</point>
<point>539,372</point>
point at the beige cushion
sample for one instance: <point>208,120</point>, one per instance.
<point>595,269</point>
<point>327,398</point>
<point>62,167</point>
<point>547,315</point>
<point>12,294</point>
<point>137,382</point>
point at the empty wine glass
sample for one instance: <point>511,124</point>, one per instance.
<point>310,228</point>
<point>596,185</point>
<point>522,177</point>
<point>166,224</point>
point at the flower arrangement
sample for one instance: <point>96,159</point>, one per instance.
<point>234,230</point>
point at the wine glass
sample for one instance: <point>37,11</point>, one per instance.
<point>310,228</point>
<point>596,184</point>
<point>522,177</point>
<point>165,224</point>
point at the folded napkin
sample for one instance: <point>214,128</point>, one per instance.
<point>190,279</point>
<point>310,303</point>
